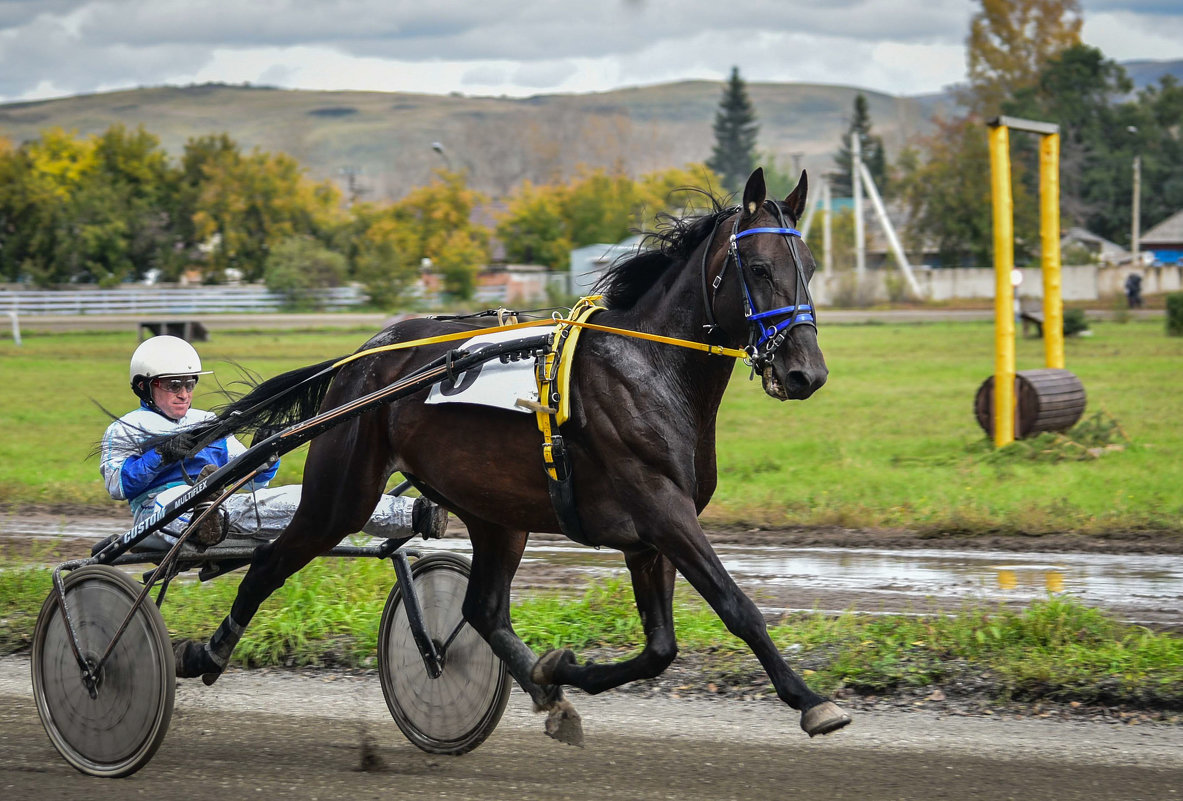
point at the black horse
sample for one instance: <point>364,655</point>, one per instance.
<point>641,441</point>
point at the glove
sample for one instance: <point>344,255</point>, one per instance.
<point>177,447</point>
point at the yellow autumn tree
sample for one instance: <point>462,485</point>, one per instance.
<point>435,222</point>
<point>1010,42</point>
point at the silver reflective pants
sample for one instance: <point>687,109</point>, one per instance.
<point>264,514</point>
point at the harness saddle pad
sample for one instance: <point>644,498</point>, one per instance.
<point>502,385</point>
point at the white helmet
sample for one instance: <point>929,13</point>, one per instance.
<point>160,357</point>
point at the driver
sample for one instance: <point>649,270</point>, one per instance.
<point>164,372</point>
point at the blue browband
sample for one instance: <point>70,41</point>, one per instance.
<point>797,314</point>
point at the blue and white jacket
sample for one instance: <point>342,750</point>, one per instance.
<point>138,477</point>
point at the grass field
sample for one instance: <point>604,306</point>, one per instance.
<point>890,441</point>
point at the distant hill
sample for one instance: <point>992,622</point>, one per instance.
<point>385,139</point>
<point>1145,73</point>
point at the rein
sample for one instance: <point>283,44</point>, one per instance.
<point>716,350</point>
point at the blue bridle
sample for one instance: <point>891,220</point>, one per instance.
<point>767,332</point>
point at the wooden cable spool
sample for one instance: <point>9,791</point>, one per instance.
<point>1045,400</point>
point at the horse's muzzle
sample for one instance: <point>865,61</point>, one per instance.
<point>798,384</point>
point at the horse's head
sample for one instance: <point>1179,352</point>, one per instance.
<point>772,267</point>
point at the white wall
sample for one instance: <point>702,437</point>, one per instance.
<point>1077,283</point>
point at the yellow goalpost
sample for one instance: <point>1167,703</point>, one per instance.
<point>1049,229</point>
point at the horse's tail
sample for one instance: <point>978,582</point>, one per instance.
<point>278,402</point>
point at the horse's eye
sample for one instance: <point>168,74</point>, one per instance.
<point>760,270</point>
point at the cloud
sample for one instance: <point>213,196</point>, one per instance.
<point>515,46</point>
<point>45,52</point>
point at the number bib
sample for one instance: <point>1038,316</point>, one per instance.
<point>492,383</point>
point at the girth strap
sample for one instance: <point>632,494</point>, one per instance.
<point>550,369</point>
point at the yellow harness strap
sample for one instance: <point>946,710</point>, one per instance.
<point>554,377</point>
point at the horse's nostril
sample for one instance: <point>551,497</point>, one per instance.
<point>805,381</point>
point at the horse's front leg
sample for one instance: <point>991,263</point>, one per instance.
<point>672,527</point>
<point>496,553</point>
<point>653,589</point>
<point>341,487</point>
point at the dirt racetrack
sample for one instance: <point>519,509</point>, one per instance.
<point>282,735</point>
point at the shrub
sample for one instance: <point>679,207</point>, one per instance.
<point>1175,314</point>
<point>1074,322</point>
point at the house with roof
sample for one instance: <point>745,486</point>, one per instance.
<point>1165,240</point>
<point>589,263</point>
<point>1100,249</point>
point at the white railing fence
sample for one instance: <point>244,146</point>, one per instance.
<point>191,300</point>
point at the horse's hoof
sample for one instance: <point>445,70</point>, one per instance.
<point>824,718</point>
<point>193,661</point>
<point>544,669</point>
<point>564,724</point>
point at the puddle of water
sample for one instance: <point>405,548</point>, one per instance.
<point>1131,585</point>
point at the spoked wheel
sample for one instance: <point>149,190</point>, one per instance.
<point>115,732</point>
<point>454,713</point>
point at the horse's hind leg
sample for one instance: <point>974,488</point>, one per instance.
<point>653,589</point>
<point>496,553</point>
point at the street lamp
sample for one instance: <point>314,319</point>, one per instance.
<point>438,147</point>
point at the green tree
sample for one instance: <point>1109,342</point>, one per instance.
<point>1157,116</point>
<point>298,266</point>
<point>1075,90</point>
<point>134,177</point>
<point>948,197</point>
<point>533,228</point>
<point>378,261</point>
<point>1009,43</point>
<point>733,156</point>
<point>82,209</point>
<point>872,152</point>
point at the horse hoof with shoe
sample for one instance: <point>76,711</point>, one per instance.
<point>564,724</point>
<point>824,718</point>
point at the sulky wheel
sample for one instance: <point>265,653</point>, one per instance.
<point>115,732</point>
<point>454,713</point>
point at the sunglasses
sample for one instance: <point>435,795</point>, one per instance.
<point>175,385</point>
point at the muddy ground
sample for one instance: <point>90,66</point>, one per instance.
<point>285,735</point>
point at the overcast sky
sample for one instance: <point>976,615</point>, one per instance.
<point>52,48</point>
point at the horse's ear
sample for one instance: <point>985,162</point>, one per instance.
<point>754,193</point>
<point>796,199</point>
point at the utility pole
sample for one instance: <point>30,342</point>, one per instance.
<point>351,183</point>
<point>856,186</point>
<point>1136,217</point>
<point>827,227</point>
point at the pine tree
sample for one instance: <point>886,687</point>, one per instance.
<point>734,155</point>
<point>873,154</point>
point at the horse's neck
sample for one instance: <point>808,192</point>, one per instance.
<point>674,307</point>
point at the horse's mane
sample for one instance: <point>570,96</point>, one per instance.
<point>670,245</point>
